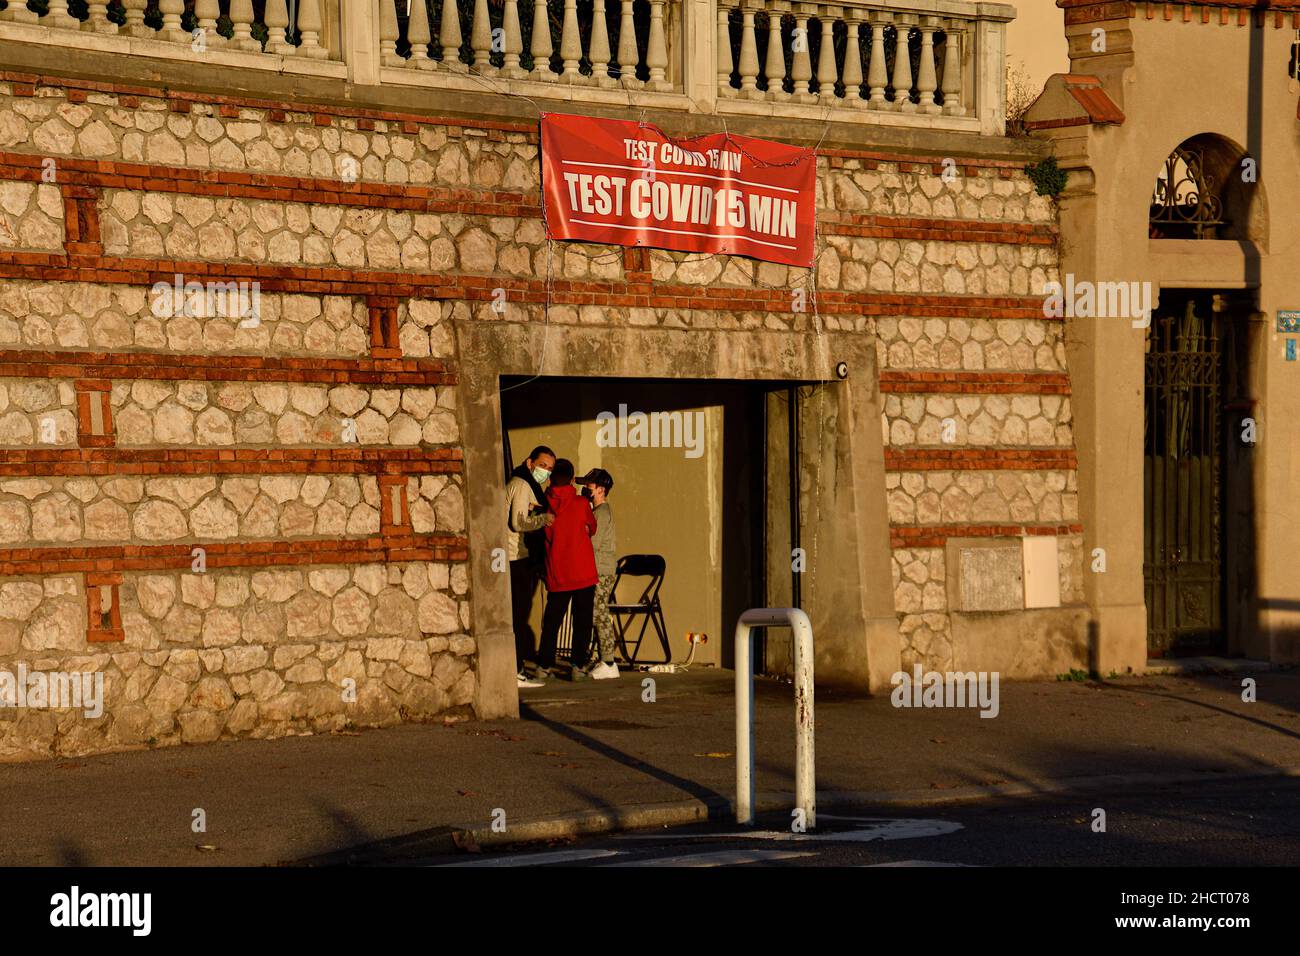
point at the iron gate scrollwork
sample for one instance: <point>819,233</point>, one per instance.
<point>1183,482</point>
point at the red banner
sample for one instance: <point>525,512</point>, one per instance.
<point>621,182</point>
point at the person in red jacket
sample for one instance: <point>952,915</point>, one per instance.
<point>570,569</point>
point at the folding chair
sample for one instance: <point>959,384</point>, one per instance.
<point>646,607</point>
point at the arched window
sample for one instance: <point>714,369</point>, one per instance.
<point>1205,189</point>
<point>1185,204</point>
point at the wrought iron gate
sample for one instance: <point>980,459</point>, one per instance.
<point>1183,481</point>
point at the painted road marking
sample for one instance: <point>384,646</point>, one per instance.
<point>539,859</point>
<point>869,829</point>
<point>719,858</point>
<point>914,863</point>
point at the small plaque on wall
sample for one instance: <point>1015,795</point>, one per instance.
<point>1288,320</point>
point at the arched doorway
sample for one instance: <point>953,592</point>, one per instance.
<point>1194,357</point>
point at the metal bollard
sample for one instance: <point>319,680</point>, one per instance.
<point>805,770</point>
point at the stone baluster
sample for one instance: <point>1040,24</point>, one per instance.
<point>570,43</point>
<point>417,32</point>
<point>17,12</point>
<point>97,20</point>
<point>58,16</point>
<point>903,68</point>
<point>388,34</point>
<point>774,67</point>
<point>725,65</point>
<point>952,91</point>
<point>853,60</point>
<point>628,57</point>
<point>276,17</point>
<point>827,71</point>
<point>206,13</point>
<point>310,22</point>
<point>598,46</point>
<point>801,67</point>
<point>656,53</point>
<point>877,72</point>
<point>172,30</point>
<point>748,55</point>
<point>513,41</point>
<point>133,11</point>
<point>541,46</point>
<point>928,81</point>
<point>450,37</point>
<point>241,18</point>
<point>480,38</point>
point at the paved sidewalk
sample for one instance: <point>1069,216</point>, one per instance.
<point>598,749</point>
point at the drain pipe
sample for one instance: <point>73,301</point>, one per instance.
<point>792,421</point>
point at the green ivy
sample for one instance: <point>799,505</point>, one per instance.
<point>1048,178</point>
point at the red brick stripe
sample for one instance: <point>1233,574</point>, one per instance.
<point>19,363</point>
<point>194,181</point>
<point>980,459</point>
<point>54,268</point>
<point>430,547</point>
<point>980,383</point>
<point>232,461</point>
<point>938,230</point>
<point>936,536</point>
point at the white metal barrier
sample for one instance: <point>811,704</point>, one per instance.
<point>804,771</point>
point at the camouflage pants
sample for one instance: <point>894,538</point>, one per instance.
<point>603,620</point>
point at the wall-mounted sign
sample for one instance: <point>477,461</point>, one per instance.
<point>1288,320</point>
<point>621,182</point>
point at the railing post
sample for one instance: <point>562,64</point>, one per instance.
<point>990,76</point>
<point>696,50</point>
<point>805,758</point>
<point>361,40</point>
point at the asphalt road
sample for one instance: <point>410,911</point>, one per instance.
<point>1229,822</point>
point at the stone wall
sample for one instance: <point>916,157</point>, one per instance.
<point>311,459</point>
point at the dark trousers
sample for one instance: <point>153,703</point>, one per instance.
<point>557,604</point>
<point>523,585</point>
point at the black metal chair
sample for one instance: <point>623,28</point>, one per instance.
<point>646,607</point>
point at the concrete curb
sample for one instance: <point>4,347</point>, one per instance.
<point>682,813</point>
<point>473,837</point>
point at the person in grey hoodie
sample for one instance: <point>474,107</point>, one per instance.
<point>527,515</point>
<point>597,484</point>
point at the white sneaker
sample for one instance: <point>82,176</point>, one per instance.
<point>523,680</point>
<point>606,670</point>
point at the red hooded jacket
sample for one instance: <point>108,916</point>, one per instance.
<point>570,558</point>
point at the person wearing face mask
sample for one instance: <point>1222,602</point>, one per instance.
<point>596,485</point>
<point>528,515</point>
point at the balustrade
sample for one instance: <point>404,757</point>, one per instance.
<point>599,44</point>
<point>927,62</point>
<point>286,27</point>
<point>867,56</point>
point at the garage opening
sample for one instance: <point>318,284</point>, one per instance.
<point>702,476</point>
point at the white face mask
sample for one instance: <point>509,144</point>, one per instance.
<point>540,474</point>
